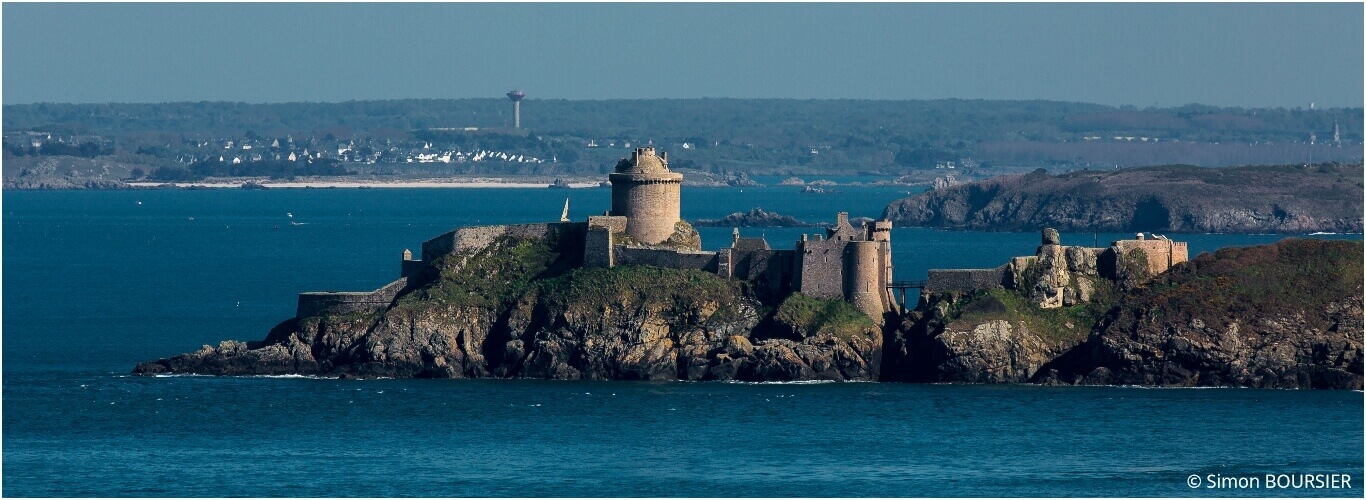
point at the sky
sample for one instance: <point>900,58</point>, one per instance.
<point>1250,55</point>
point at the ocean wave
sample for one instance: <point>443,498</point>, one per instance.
<point>786,382</point>
<point>285,376</point>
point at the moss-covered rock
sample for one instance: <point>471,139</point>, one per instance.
<point>1285,315</point>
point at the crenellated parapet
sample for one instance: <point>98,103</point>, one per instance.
<point>648,195</point>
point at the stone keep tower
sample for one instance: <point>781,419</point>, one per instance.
<point>647,194</point>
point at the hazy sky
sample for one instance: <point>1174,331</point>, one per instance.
<point>1140,54</point>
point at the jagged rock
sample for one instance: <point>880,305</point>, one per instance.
<point>1050,237</point>
<point>756,217</point>
<point>994,351</point>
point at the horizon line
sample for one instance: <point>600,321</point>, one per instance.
<point>852,99</point>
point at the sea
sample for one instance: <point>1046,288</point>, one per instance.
<point>96,281</point>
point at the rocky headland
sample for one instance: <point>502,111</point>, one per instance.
<point>1294,199</point>
<point>1286,315</point>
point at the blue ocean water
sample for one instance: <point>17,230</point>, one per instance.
<point>96,281</point>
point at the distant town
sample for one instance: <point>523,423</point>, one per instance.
<point>722,141</point>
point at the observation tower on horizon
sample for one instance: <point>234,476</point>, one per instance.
<point>516,96</point>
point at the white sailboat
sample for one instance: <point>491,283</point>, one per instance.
<point>564,216</point>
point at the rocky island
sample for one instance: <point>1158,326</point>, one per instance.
<point>756,217</point>
<point>630,296</point>
<point>1293,199</point>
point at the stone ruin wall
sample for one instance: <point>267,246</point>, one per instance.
<point>966,280</point>
<point>1160,254</point>
<point>771,270</point>
<point>664,257</point>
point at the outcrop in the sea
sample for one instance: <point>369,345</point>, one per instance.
<point>520,309</point>
<point>1280,199</point>
<point>756,217</point>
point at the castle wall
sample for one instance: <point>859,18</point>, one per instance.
<point>966,280</point>
<point>665,257</point>
<point>597,247</point>
<point>770,270</point>
<point>821,268</point>
<point>474,238</point>
<point>650,202</point>
<point>613,223</point>
<point>411,267</point>
<point>315,303</point>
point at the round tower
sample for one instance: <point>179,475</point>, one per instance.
<point>863,284</point>
<point>647,194</point>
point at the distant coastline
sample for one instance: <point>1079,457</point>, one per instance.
<point>356,184</point>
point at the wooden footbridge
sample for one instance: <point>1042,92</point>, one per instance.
<point>903,286</point>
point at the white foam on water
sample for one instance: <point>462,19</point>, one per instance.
<point>788,382</point>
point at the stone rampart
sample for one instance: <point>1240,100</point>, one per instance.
<point>474,238</point>
<point>966,280</point>
<point>315,303</point>
<point>664,257</point>
<point>613,223</point>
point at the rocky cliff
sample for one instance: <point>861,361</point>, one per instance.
<point>521,309</point>
<point>1287,315</point>
<point>1280,199</point>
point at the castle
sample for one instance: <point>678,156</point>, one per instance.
<point>1056,275</point>
<point>644,227</point>
<point>844,262</point>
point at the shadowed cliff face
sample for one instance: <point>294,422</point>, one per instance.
<point>519,309</point>
<point>1284,199</point>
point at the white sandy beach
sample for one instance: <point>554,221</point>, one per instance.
<point>416,183</point>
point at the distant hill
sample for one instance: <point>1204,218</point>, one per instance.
<point>776,136</point>
<point>1279,199</point>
